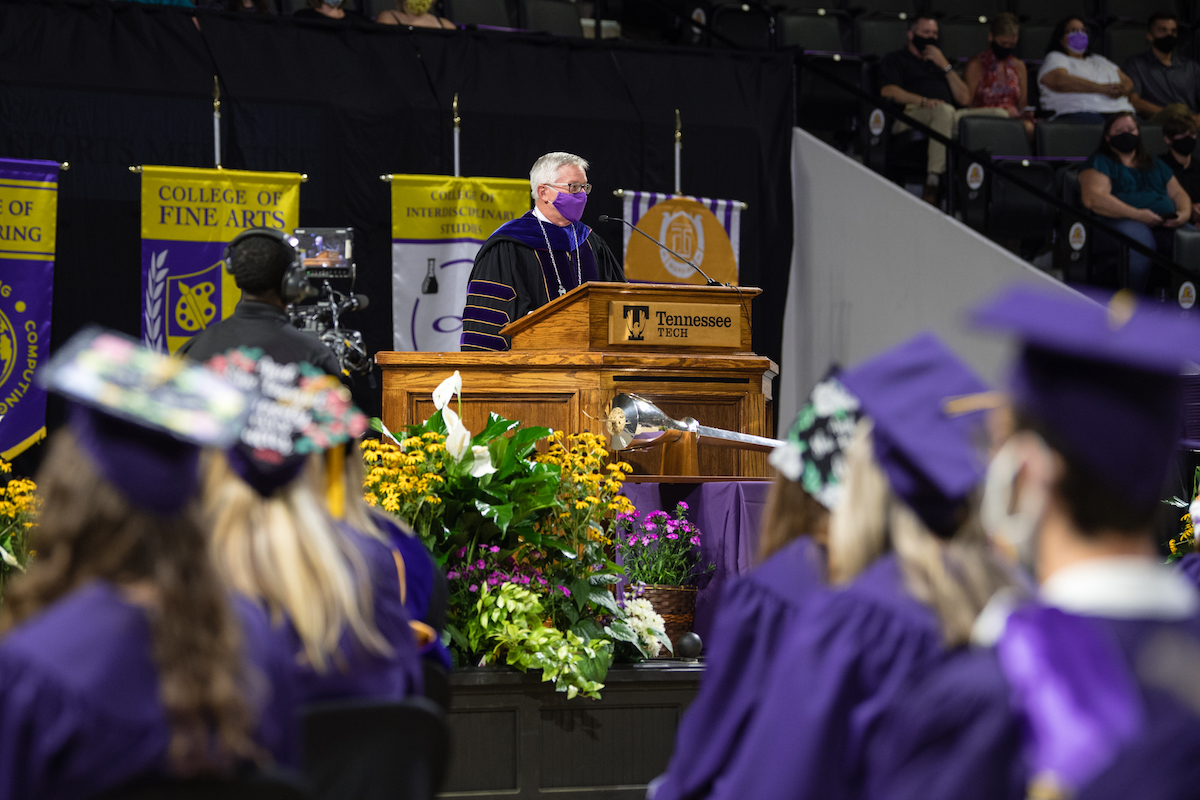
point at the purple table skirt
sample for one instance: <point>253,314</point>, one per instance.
<point>728,514</point>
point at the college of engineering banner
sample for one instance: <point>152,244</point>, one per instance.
<point>707,232</point>
<point>438,225</point>
<point>188,215</point>
<point>28,220</point>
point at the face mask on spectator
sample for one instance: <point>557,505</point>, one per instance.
<point>921,42</point>
<point>1165,44</point>
<point>1184,145</point>
<point>1124,142</point>
<point>1001,52</point>
<point>1077,41</point>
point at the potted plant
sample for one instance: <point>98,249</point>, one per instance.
<point>18,511</point>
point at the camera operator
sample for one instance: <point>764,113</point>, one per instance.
<point>259,260</point>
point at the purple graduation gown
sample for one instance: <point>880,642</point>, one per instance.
<point>355,671</point>
<point>967,729</point>
<point>79,706</point>
<point>1189,565</point>
<point>756,613</point>
<point>848,654</point>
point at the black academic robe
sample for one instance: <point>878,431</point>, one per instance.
<point>514,274</point>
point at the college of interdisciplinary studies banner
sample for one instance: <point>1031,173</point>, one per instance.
<point>188,215</point>
<point>28,220</point>
<point>438,225</point>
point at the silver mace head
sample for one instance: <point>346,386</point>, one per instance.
<point>631,415</point>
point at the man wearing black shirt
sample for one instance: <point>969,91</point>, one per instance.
<point>258,264</point>
<point>1180,133</point>
<point>1165,84</point>
<point>923,80</point>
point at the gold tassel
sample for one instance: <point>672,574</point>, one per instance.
<point>335,482</point>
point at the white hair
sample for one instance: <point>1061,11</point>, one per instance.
<point>545,169</point>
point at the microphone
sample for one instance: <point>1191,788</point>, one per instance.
<point>361,301</point>
<point>703,274</point>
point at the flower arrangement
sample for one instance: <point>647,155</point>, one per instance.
<point>522,536</point>
<point>18,512</point>
<point>660,548</point>
<point>1185,542</point>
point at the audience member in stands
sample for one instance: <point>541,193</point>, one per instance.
<point>998,79</point>
<point>912,570</point>
<point>1138,195</point>
<point>923,80</point>
<point>328,9</point>
<point>757,610</point>
<point>272,517</point>
<point>1165,84</point>
<point>1180,134</point>
<point>1086,693</point>
<point>123,657</point>
<point>415,14</point>
<point>1077,84</point>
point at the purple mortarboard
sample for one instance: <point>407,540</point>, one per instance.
<point>142,416</point>
<point>298,409</point>
<point>1102,380</point>
<point>930,452</point>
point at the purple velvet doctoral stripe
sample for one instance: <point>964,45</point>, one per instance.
<point>487,315</point>
<point>1072,686</point>
<point>483,341</point>
<point>497,291</point>
<point>728,514</point>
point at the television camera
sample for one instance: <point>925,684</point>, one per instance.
<point>326,278</point>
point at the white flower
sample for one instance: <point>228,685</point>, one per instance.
<point>481,461</point>
<point>831,396</point>
<point>458,438</point>
<point>786,459</point>
<point>446,390</point>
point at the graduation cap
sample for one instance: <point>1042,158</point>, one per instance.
<point>298,409</point>
<point>1102,379</point>
<point>928,441</point>
<point>142,416</point>
<point>812,454</point>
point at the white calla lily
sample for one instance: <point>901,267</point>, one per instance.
<point>458,438</point>
<point>481,463</point>
<point>446,390</point>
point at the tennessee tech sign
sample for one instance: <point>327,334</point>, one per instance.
<point>687,324</point>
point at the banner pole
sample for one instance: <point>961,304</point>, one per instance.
<point>678,149</point>
<point>216,122</point>
<point>457,119</point>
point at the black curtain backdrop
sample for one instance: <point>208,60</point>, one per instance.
<point>106,86</point>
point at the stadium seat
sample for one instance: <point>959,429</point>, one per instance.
<point>748,25</point>
<point>1033,41</point>
<point>998,207</point>
<point>1067,140</point>
<point>479,12</point>
<point>256,786</point>
<point>1187,251</point>
<point>822,105</point>
<point>1124,39</point>
<point>875,35</point>
<point>557,17</point>
<point>961,40</point>
<point>906,7</point>
<point>965,9</point>
<point>376,751</point>
<point>1049,10</point>
<point>1152,139</point>
<point>1135,10</point>
<point>811,31</point>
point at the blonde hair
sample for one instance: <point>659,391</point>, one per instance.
<point>285,550</point>
<point>954,577</point>
<point>791,513</point>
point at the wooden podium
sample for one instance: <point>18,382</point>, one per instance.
<point>684,348</point>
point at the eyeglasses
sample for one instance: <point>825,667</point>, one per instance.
<point>574,188</point>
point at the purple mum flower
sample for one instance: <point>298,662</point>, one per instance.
<point>472,588</point>
<point>684,505</point>
<point>493,549</point>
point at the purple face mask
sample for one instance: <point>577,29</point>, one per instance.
<point>570,205</point>
<point>1077,41</point>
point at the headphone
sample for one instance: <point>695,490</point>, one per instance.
<point>294,288</point>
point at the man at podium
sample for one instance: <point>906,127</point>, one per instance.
<point>536,257</point>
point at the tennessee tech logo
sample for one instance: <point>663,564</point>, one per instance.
<point>636,318</point>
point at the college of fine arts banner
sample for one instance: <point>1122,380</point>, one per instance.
<point>706,232</point>
<point>438,225</point>
<point>28,220</point>
<point>187,217</point>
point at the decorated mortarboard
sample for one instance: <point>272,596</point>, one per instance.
<point>812,454</point>
<point>927,433</point>
<point>1101,378</point>
<point>141,415</point>
<point>298,409</point>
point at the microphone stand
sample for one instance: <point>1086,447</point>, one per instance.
<point>703,274</point>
